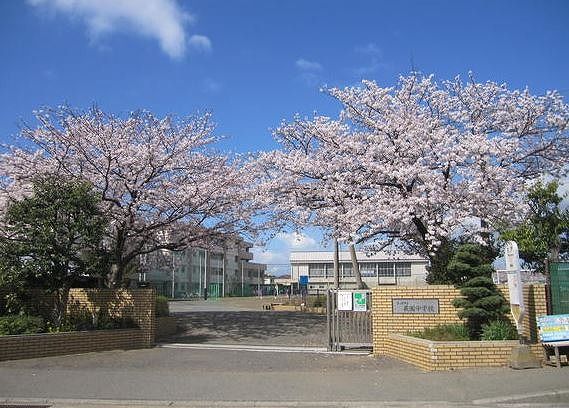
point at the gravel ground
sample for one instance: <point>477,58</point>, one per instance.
<point>243,321</point>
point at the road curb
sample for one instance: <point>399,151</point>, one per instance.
<point>259,348</point>
<point>96,403</point>
<point>516,397</point>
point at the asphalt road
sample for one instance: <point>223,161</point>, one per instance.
<point>166,374</point>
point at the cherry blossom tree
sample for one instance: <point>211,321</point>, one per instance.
<point>161,185</point>
<point>421,161</point>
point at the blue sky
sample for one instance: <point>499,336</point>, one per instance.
<point>254,63</point>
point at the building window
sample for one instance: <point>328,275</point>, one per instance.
<point>391,269</point>
<point>346,270</point>
<point>367,270</point>
<point>403,269</point>
<point>385,269</point>
<point>317,270</point>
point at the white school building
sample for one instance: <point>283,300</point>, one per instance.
<point>376,269</point>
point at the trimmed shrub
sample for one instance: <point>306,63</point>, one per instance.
<point>443,332</point>
<point>21,324</point>
<point>499,330</point>
<point>481,303</point>
<point>162,308</point>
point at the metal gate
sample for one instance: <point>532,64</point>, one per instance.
<point>559,274</point>
<point>348,318</point>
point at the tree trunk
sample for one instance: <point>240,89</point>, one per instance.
<point>355,267</point>
<point>61,297</point>
<point>118,264</point>
<point>113,276</point>
<point>554,252</point>
<point>116,276</point>
<point>336,264</point>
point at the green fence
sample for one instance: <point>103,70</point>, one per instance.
<point>237,291</point>
<point>559,275</point>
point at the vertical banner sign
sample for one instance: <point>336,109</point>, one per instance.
<point>515,286</point>
<point>344,300</point>
<point>360,302</point>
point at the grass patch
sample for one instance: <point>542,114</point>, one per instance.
<point>443,332</point>
<point>499,330</point>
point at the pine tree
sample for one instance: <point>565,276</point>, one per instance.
<point>481,303</point>
<point>469,261</point>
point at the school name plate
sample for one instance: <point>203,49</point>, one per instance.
<point>415,306</point>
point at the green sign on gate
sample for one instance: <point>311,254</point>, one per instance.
<point>559,274</point>
<point>360,302</point>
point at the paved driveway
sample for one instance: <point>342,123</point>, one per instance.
<point>243,321</point>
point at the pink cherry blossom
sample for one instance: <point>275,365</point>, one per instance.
<point>161,183</point>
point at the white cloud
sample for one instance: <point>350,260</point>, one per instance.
<point>369,49</point>
<point>277,261</point>
<point>305,65</point>
<point>211,85</point>
<point>200,43</point>
<point>277,252</point>
<point>375,62</point>
<point>297,241</point>
<point>268,256</point>
<point>162,20</point>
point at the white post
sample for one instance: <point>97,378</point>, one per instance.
<point>173,275</point>
<point>395,273</point>
<point>205,269</point>
<point>200,271</point>
<point>515,285</point>
<point>377,272</point>
<point>521,356</point>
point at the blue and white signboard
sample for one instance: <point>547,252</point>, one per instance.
<point>303,279</point>
<point>553,328</point>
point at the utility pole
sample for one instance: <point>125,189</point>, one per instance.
<point>242,284</point>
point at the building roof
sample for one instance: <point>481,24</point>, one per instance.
<point>297,257</point>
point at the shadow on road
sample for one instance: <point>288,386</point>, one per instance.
<point>246,327</point>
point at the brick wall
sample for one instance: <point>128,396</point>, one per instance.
<point>536,305</point>
<point>136,304</point>
<point>54,344</point>
<point>386,323</point>
<point>409,349</point>
<point>438,355</point>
